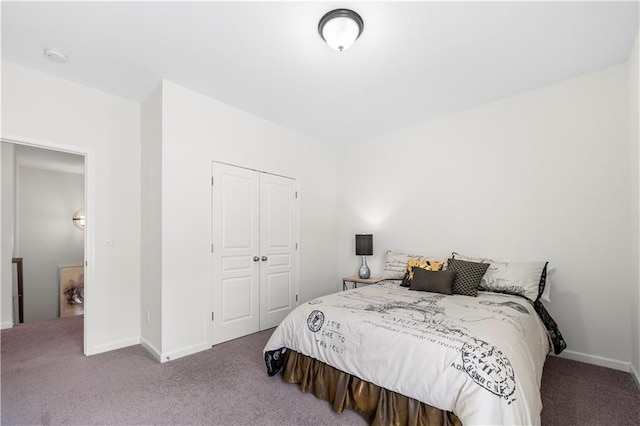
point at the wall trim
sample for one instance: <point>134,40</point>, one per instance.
<point>596,360</point>
<point>189,350</point>
<point>635,375</point>
<point>151,349</point>
<point>6,325</point>
<point>118,344</point>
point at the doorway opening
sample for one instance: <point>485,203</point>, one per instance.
<point>44,232</point>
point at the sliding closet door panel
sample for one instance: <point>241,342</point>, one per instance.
<point>277,248</point>
<point>236,236</point>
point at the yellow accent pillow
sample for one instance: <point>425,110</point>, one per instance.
<point>429,265</point>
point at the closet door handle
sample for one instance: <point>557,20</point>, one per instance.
<point>264,258</point>
<point>256,258</point>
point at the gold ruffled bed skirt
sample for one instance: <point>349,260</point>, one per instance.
<point>377,405</point>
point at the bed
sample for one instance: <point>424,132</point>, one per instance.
<point>400,356</point>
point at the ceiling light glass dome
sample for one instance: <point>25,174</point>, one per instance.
<point>340,28</point>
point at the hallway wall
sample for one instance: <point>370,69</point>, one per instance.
<point>46,237</point>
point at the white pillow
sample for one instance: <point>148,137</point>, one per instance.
<point>546,293</point>
<point>395,264</point>
<point>521,278</point>
<point>466,258</point>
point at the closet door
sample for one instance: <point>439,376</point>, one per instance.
<point>236,264</point>
<point>277,249</point>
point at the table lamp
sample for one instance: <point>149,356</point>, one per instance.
<point>364,247</point>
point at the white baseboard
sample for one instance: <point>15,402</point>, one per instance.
<point>635,375</point>
<point>160,357</point>
<point>596,360</point>
<point>106,347</point>
<point>6,325</point>
<point>169,356</point>
<point>151,349</point>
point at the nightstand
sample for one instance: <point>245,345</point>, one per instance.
<point>357,280</point>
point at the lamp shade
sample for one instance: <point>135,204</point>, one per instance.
<point>364,244</point>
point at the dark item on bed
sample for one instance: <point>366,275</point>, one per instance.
<point>559,344</point>
<point>433,281</point>
<point>377,405</point>
<point>468,276</point>
<point>274,361</point>
<point>413,264</point>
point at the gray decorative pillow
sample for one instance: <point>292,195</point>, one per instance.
<point>433,281</point>
<point>429,265</point>
<point>468,276</point>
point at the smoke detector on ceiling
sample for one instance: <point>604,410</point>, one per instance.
<point>55,55</point>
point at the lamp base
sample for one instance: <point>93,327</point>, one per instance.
<point>364,271</point>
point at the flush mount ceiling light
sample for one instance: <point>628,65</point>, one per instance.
<point>55,55</point>
<point>340,28</point>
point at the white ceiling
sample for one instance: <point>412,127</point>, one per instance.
<point>415,61</point>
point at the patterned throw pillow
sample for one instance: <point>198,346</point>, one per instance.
<point>395,264</point>
<point>468,276</point>
<point>412,264</point>
<point>433,281</point>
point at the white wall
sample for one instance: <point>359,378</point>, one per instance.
<point>49,111</point>
<point>7,190</point>
<point>47,238</point>
<point>634,138</point>
<point>539,176</point>
<point>151,226</point>
<point>197,130</point>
